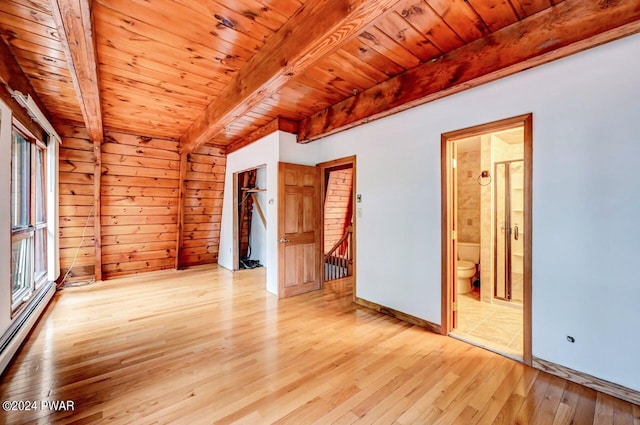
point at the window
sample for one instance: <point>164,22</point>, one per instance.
<point>28,218</point>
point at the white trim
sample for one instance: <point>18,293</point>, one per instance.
<point>26,321</point>
<point>26,101</point>
<point>53,218</point>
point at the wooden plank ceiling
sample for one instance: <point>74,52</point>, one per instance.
<point>217,71</point>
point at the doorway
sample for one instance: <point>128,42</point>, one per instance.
<point>249,221</point>
<point>338,220</point>
<point>486,236</point>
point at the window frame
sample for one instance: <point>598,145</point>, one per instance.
<point>35,229</point>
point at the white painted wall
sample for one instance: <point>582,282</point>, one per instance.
<point>263,152</point>
<point>258,236</point>
<point>586,203</point>
<point>296,153</point>
<point>5,217</point>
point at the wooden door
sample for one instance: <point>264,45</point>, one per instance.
<point>454,235</point>
<point>299,226</point>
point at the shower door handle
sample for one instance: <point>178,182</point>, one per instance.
<point>516,232</point>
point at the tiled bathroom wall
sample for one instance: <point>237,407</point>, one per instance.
<point>468,170</point>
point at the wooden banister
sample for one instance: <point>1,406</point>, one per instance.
<point>338,264</point>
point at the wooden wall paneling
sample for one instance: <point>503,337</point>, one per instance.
<point>204,174</point>
<point>77,205</point>
<point>181,193</point>
<point>140,190</point>
<point>575,25</point>
<point>97,203</point>
<point>338,210</point>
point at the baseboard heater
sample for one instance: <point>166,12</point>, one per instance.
<point>16,334</point>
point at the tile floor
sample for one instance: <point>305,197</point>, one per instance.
<point>493,326</point>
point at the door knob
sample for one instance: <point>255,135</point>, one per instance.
<point>516,232</point>
<point>284,240</point>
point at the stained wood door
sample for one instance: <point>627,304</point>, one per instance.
<point>454,235</point>
<point>299,222</point>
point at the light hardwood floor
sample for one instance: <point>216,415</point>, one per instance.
<point>206,346</point>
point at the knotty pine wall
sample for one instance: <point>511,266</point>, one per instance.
<point>76,202</point>
<point>337,206</point>
<point>140,195</point>
<point>139,213</point>
<point>203,189</point>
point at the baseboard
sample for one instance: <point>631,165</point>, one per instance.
<point>615,390</point>
<point>16,334</point>
<point>399,315</point>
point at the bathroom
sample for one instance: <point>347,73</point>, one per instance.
<point>489,222</point>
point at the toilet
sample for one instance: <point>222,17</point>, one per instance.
<point>468,259</point>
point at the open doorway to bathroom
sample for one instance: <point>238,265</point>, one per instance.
<point>486,174</point>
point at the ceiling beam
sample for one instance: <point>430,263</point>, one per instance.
<point>566,28</point>
<point>281,124</point>
<point>73,20</point>
<point>13,78</point>
<point>318,28</point>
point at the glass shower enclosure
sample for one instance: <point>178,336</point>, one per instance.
<point>508,230</point>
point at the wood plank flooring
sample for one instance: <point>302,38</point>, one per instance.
<point>205,346</point>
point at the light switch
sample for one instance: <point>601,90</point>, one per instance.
<point>358,198</point>
<point>359,212</point>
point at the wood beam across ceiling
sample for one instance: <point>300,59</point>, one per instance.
<point>274,125</point>
<point>73,20</point>
<point>566,28</point>
<point>318,28</point>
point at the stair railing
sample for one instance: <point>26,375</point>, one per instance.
<point>338,262</point>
